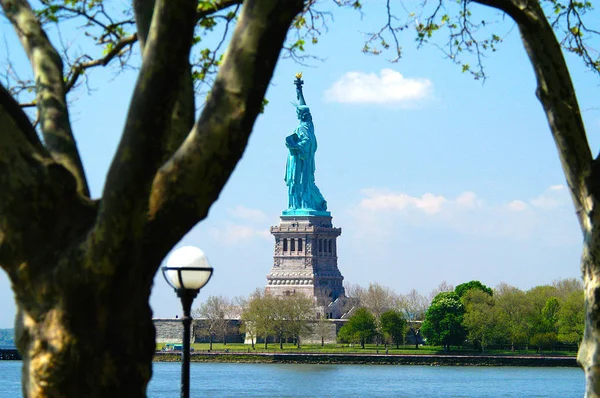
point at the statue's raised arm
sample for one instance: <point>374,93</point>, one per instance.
<point>299,82</point>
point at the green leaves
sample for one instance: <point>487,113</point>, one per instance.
<point>443,320</point>
<point>360,327</point>
<point>393,325</point>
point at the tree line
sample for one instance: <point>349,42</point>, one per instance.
<point>472,314</point>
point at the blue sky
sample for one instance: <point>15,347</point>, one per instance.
<point>431,175</point>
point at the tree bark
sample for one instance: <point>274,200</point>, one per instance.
<point>557,95</point>
<point>51,95</point>
<point>85,347</point>
<point>82,270</point>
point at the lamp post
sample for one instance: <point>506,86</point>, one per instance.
<point>187,271</point>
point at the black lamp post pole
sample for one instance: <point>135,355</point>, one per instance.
<point>187,297</point>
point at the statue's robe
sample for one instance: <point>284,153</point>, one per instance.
<point>300,169</point>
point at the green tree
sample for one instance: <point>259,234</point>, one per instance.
<point>513,310</point>
<point>345,335</point>
<point>360,327</point>
<point>323,328</point>
<point>544,340</point>
<point>480,317</point>
<point>557,95</point>
<point>300,311</point>
<point>541,313</point>
<point>75,261</point>
<point>544,324</point>
<point>550,314</point>
<point>259,315</point>
<point>571,318</point>
<point>463,288</point>
<point>393,325</point>
<point>443,321</point>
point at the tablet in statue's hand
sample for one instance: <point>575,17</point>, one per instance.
<point>291,140</point>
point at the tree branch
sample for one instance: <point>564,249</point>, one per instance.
<point>216,6</point>
<point>21,120</point>
<point>557,95</point>
<point>80,67</point>
<point>50,89</point>
<point>38,199</point>
<point>140,151</point>
<point>143,10</point>
<point>187,185</point>
<point>182,118</point>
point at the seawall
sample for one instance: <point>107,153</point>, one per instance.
<point>9,354</point>
<point>376,359</point>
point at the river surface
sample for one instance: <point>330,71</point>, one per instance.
<point>283,380</point>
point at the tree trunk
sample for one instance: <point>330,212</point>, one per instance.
<point>86,345</point>
<point>556,93</point>
<point>82,269</point>
<point>322,341</point>
<point>210,341</point>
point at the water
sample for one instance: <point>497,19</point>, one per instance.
<point>279,380</point>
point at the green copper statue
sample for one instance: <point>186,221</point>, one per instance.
<point>304,198</point>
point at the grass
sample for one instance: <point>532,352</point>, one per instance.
<point>369,349</point>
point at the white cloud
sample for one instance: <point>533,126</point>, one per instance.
<point>547,218</point>
<point>244,226</point>
<point>554,196</point>
<point>468,199</point>
<point>389,87</point>
<point>233,234</point>
<point>377,200</point>
<point>517,205</point>
<point>247,214</point>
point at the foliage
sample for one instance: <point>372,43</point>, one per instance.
<point>216,313</point>
<point>322,328</point>
<point>571,316</point>
<point>376,298</point>
<point>94,258</point>
<point>279,317</point>
<point>443,321</point>
<point>359,328</point>
<point>480,317</point>
<point>441,288</point>
<point>393,325</point>
<point>463,288</point>
<point>544,340</point>
<point>565,287</point>
<point>513,307</point>
<point>413,305</point>
<point>299,311</point>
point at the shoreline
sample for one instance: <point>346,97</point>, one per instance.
<point>374,359</point>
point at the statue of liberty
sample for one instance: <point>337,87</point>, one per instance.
<point>303,194</point>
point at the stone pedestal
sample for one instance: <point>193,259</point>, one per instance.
<point>305,260</point>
